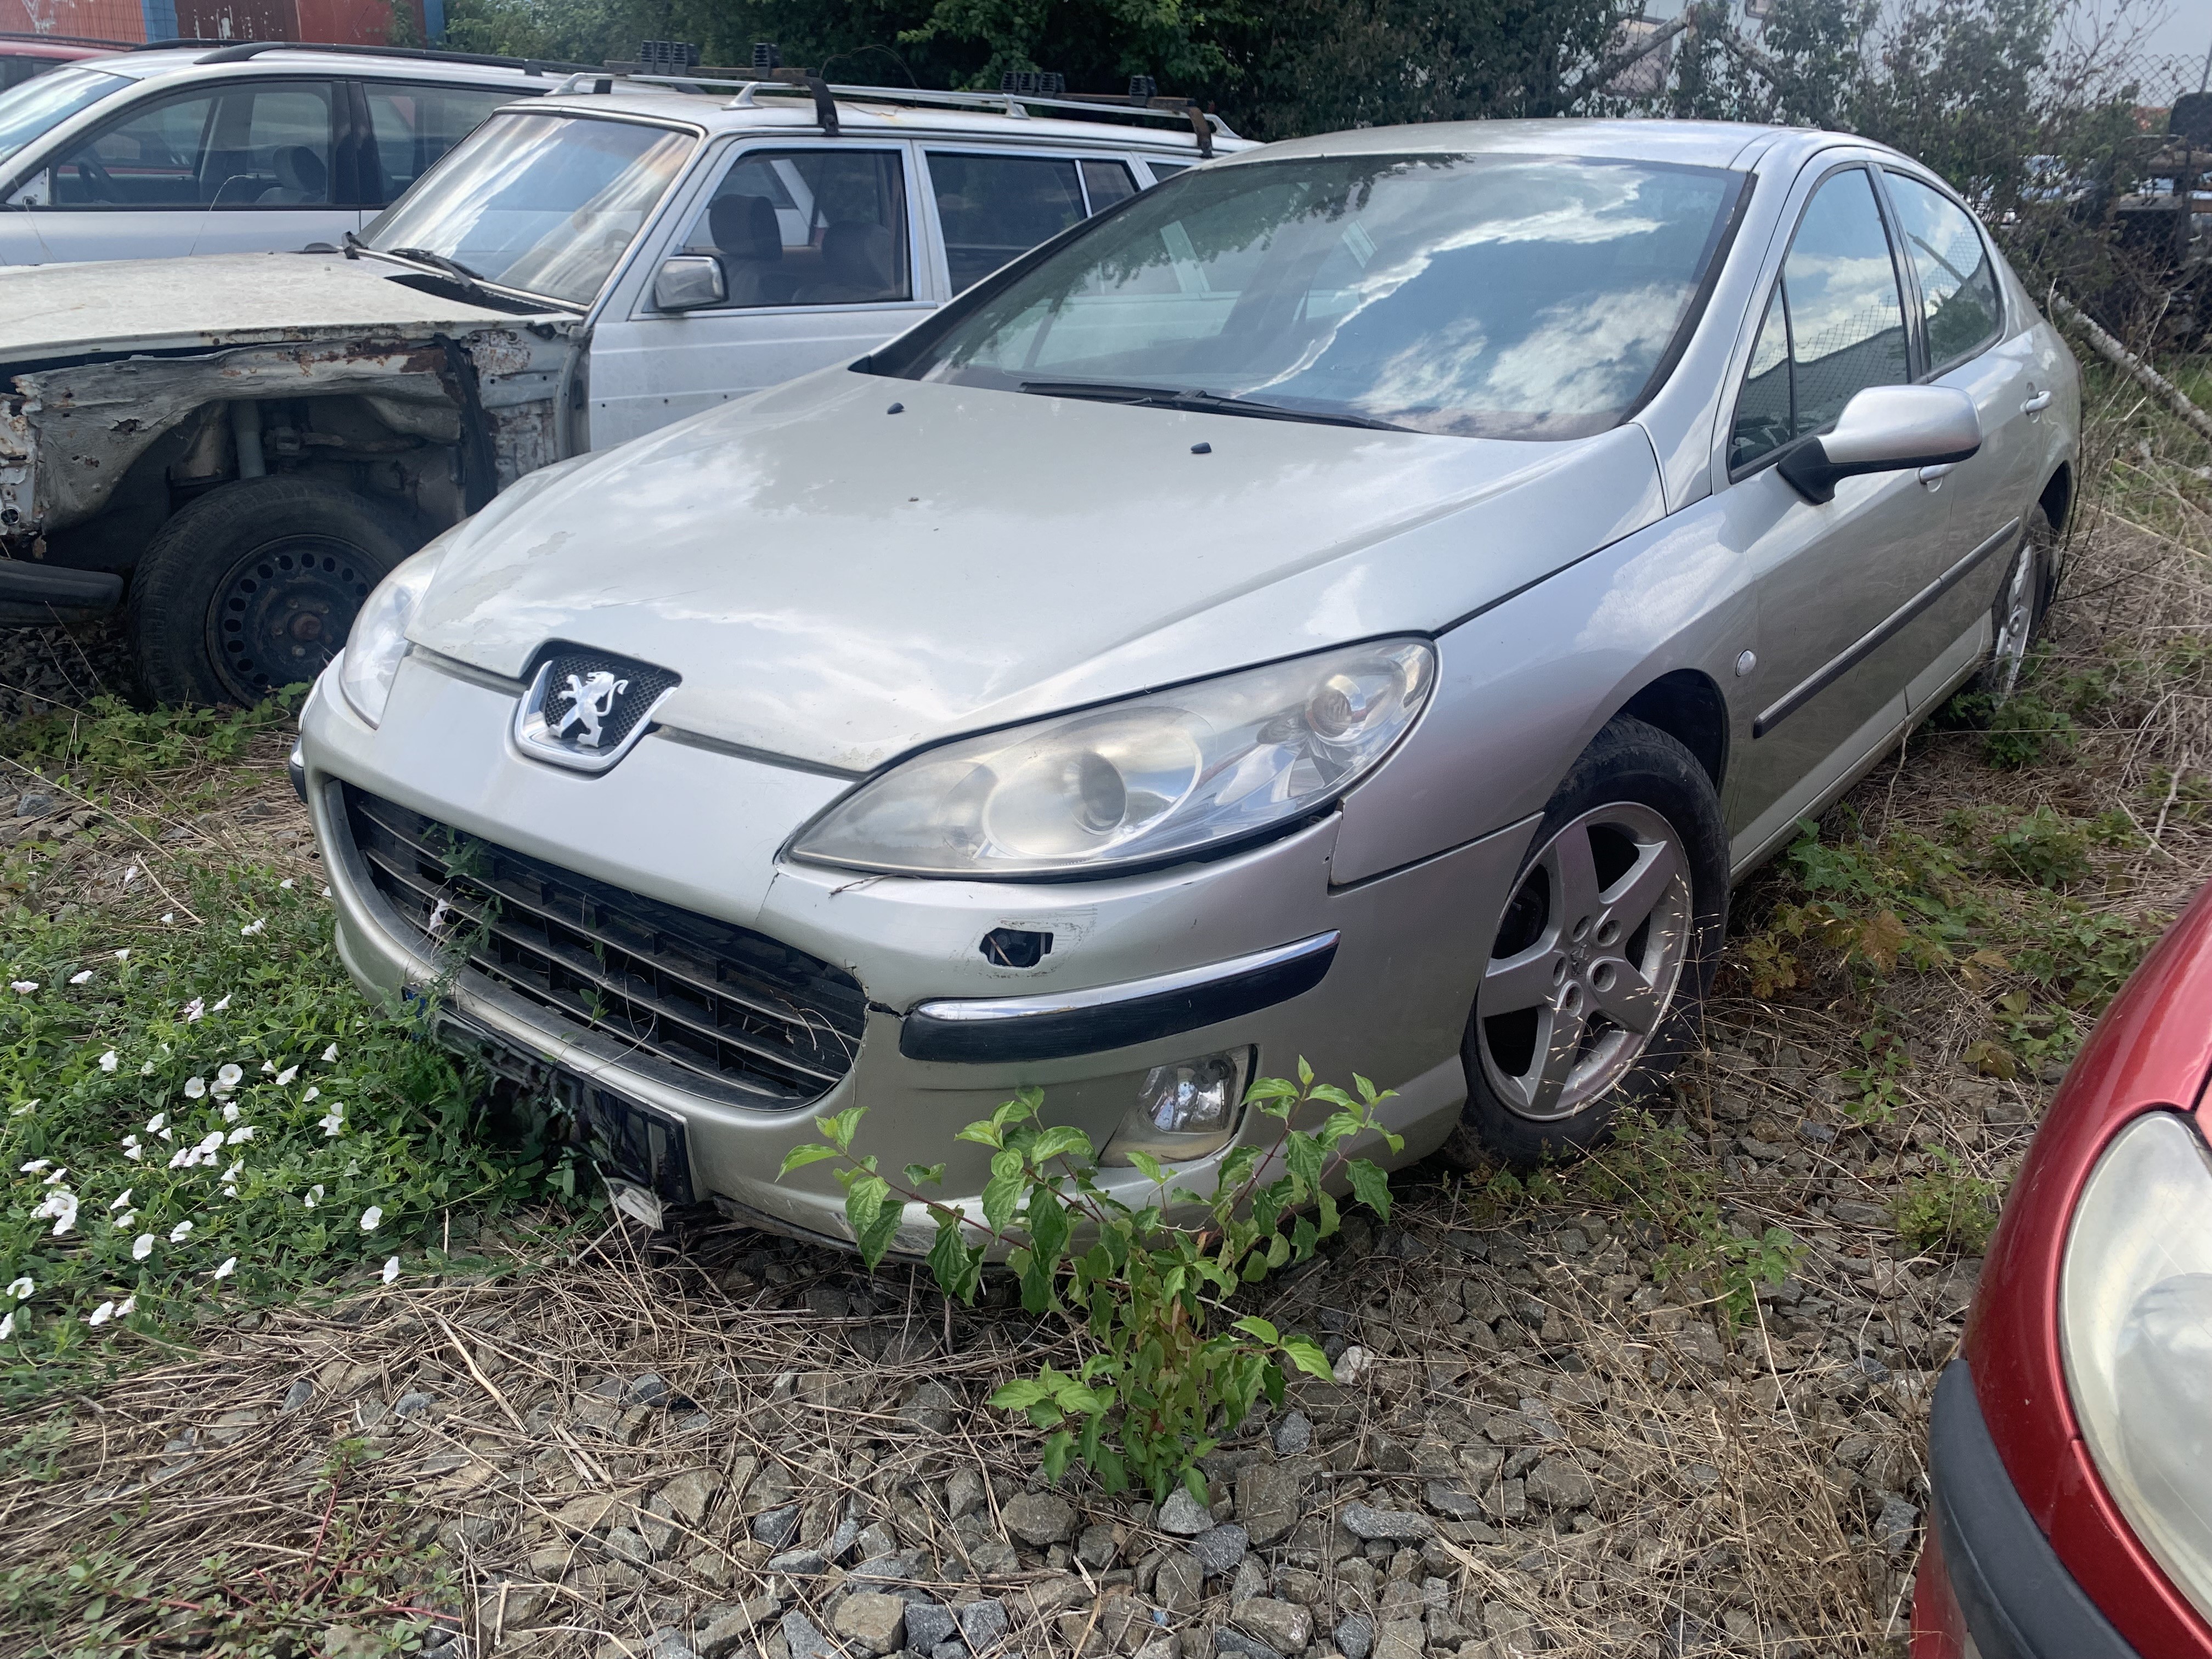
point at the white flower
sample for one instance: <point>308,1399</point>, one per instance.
<point>168,915</point>
<point>22,988</point>
<point>122,1203</point>
<point>128,1306</point>
<point>100,1315</point>
<point>287,1075</point>
<point>437,917</point>
<point>57,1174</point>
<point>60,1204</point>
<point>229,1267</point>
<point>195,1087</point>
<point>224,1003</point>
<point>231,1174</point>
<point>333,1122</point>
<point>147,1070</point>
<point>35,1165</point>
<point>183,1158</point>
<point>326,890</point>
<point>254,927</point>
<point>129,875</point>
<point>287,882</point>
<point>269,1068</point>
<point>230,1114</point>
<point>107,1061</point>
<point>244,1132</point>
<point>131,1149</point>
<point>313,1093</point>
<point>180,1232</point>
<point>331,1053</point>
<point>126,1222</point>
<point>314,1194</point>
<point>229,1077</point>
<point>8,1326</point>
<point>124,954</point>
<point>197,1006</point>
<point>25,1110</point>
<point>212,1140</point>
<point>80,977</point>
<point>370,1216</point>
<point>142,1247</point>
<point>20,1289</point>
<point>390,1268</point>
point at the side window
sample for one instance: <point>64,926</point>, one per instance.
<point>272,147</point>
<point>1163,171</point>
<point>1106,182</point>
<point>152,157</point>
<point>808,228</point>
<point>414,123</point>
<point>1834,326</point>
<point>996,207</point>
<point>1958,283</point>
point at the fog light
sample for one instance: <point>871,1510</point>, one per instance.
<point>1184,1111</point>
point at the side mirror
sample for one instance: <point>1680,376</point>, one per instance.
<point>690,281</point>
<point>1885,429</point>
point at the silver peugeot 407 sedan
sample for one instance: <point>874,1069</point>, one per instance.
<point>1365,599</point>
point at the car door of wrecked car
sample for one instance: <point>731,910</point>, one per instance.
<point>1831,322</point>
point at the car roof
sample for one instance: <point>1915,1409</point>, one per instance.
<point>164,62</point>
<point>1692,143</point>
<point>983,118</point>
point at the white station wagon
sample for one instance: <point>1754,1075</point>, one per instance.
<point>252,441</point>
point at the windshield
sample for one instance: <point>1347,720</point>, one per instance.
<point>545,203</point>
<point>43,102</point>
<point>1482,296</point>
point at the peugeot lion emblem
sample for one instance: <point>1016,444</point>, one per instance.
<point>585,709</point>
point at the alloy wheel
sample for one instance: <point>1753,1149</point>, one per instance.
<point>1586,961</point>
<point>2015,622</point>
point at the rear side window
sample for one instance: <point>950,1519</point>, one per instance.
<point>996,207</point>
<point>1958,283</point>
<point>1839,307</point>
<point>808,228</point>
<point>413,125</point>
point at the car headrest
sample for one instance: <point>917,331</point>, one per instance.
<point>745,227</point>
<point>299,169</point>
<point>858,252</point>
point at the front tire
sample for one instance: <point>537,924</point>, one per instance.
<point>1593,986</point>
<point>254,585</point>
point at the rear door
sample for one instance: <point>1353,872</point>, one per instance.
<point>989,207</point>
<point>1964,343</point>
<point>817,244</point>
<point>271,177</point>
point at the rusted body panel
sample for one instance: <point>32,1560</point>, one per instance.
<point>85,408</point>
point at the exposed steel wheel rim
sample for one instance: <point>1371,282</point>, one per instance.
<point>1588,956</point>
<point>280,613</point>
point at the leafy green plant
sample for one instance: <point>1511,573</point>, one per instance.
<point>109,743</point>
<point>1947,1208</point>
<point>1877,1083</point>
<point>2045,847</point>
<point>1145,1292</point>
<point>1731,1264</point>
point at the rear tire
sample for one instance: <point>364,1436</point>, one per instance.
<point>254,585</point>
<point>1594,985</point>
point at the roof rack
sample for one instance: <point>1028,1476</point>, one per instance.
<point>32,38</point>
<point>246,49</point>
<point>1178,111</point>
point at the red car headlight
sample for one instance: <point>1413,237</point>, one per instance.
<point>2135,1315</point>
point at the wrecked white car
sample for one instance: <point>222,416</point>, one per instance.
<point>236,449</point>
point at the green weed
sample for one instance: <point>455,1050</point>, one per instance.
<point>1947,1209</point>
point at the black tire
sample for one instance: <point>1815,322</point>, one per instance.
<point>253,586</point>
<point>1632,770</point>
<point>2017,613</point>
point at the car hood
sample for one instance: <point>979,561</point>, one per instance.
<point>48,312</point>
<point>848,567</point>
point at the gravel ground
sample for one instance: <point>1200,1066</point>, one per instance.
<point>1668,1401</point>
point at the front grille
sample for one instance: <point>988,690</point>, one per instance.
<point>708,999</point>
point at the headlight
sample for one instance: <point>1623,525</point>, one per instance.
<point>1161,775</point>
<point>379,639</point>
<point>2134,1304</point>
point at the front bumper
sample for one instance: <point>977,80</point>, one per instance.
<point>1990,1586</point>
<point>701,828</point>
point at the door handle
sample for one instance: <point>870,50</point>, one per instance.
<point>1932,476</point>
<point>2036,404</point>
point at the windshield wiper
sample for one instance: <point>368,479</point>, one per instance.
<point>440,262</point>
<point>1202,403</point>
<point>475,287</point>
